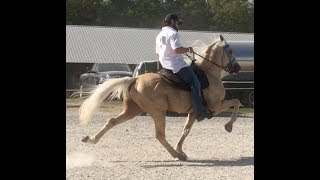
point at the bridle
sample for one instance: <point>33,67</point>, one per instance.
<point>230,66</point>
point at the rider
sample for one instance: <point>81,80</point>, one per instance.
<point>170,50</point>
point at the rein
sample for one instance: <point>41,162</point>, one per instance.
<point>224,68</point>
<point>194,59</point>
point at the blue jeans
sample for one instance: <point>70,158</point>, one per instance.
<point>191,79</point>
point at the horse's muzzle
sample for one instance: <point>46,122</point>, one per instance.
<point>235,69</point>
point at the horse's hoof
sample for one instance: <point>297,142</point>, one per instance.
<point>228,127</point>
<point>182,157</point>
<point>85,139</point>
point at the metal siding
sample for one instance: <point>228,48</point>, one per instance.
<point>94,44</point>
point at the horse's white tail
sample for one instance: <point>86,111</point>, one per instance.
<point>113,88</point>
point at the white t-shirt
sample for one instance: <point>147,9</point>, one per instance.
<point>168,40</point>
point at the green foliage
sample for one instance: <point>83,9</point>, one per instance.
<point>208,15</point>
<point>145,13</point>
<point>231,15</point>
<point>82,12</point>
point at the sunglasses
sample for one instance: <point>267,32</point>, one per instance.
<point>179,22</point>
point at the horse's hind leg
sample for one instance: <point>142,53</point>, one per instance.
<point>130,111</point>
<point>186,130</point>
<point>160,125</point>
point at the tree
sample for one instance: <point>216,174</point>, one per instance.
<point>232,15</point>
<point>196,15</point>
<point>145,13</point>
<point>82,12</point>
<point>207,15</point>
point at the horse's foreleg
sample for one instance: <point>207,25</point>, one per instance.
<point>186,130</point>
<point>124,116</point>
<point>225,104</point>
<point>160,125</point>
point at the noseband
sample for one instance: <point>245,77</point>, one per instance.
<point>230,65</point>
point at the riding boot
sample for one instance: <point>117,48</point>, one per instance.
<point>206,114</point>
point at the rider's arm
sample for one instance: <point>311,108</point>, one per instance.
<point>182,50</point>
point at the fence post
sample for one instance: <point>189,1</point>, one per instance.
<point>81,91</point>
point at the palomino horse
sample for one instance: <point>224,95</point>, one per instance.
<point>149,93</point>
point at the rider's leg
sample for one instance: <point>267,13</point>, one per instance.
<point>191,79</point>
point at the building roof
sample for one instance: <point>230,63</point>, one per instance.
<point>100,44</point>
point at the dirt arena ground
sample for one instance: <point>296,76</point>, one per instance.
<point>131,151</point>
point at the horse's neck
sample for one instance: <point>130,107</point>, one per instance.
<point>210,70</point>
<point>214,77</point>
<point>216,73</point>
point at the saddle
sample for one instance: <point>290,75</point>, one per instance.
<point>175,80</point>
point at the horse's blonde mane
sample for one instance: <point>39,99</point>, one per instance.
<point>201,47</point>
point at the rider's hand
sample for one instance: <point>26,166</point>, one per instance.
<point>190,50</point>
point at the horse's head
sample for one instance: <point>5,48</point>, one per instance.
<point>220,54</point>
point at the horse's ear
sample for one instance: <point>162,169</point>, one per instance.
<point>221,37</point>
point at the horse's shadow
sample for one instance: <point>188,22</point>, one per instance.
<point>222,114</point>
<point>244,161</point>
